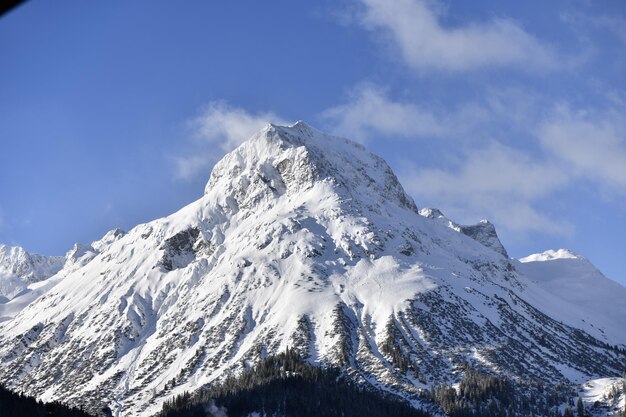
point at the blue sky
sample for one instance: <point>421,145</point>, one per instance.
<point>113,113</point>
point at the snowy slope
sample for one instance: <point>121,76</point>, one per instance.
<point>568,286</point>
<point>55,269</point>
<point>19,268</point>
<point>303,240</point>
<point>604,396</point>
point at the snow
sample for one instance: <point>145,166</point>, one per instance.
<point>11,308</point>
<point>569,287</point>
<point>550,255</point>
<point>292,224</point>
<point>600,392</point>
<point>18,268</point>
<point>43,273</point>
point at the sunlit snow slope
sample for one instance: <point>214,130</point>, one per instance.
<point>308,241</point>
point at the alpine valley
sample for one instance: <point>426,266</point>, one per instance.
<point>306,245</point>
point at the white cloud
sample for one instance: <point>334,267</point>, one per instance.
<point>189,166</point>
<point>491,178</point>
<point>488,178</point>
<point>228,126</point>
<point>593,146</point>
<point>425,43</point>
<point>218,129</point>
<point>613,24</point>
<point>496,181</point>
<point>370,112</point>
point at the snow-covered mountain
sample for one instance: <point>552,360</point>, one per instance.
<point>571,280</point>
<point>306,241</point>
<point>57,268</point>
<point>19,268</point>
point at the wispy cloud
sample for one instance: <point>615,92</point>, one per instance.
<point>476,176</point>
<point>228,126</point>
<point>495,181</point>
<point>482,172</point>
<point>218,129</point>
<point>425,43</point>
<point>503,156</point>
<point>615,24</point>
<point>566,146</point>
<point>592,144</point>
<point>370,112</point>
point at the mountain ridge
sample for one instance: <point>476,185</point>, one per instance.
<point>18,268</point>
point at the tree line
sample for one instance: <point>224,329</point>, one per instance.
<point>13,404</point>
<point>286,386</point>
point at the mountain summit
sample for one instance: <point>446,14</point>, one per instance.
<point>304,241</point>
<point>290,160</point>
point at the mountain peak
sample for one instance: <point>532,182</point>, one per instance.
<point>299,126</point>
<point>18,268</point>
<point>432,213</point>
<point>289,160</point>
<point>483,232</point>
<point>551,255</point>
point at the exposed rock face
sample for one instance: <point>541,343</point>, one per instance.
<point>183,248</point>
<point>302,240</point>
<point>483,232</point>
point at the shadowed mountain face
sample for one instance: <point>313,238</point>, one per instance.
<point>306,241</point>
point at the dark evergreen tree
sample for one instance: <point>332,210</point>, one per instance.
<point>580,408</point>
<point>480,395</point>
<point>18,405</point>
<point>287,386</point>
